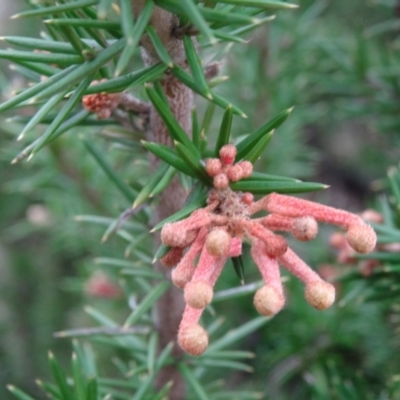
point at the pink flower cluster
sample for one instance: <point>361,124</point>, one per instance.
<point>216,232</point>
<point>102,104</point>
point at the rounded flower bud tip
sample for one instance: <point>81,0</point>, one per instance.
<point>227,154</point>
<point>362,238</point>
<point>213,166</point>
<point>305,228</point>
<point>268,301</point>
<point>198,294</point>
<point>247,198</point>
<point>193,339</point>
<point>218,242</point>
<point>320,294</point>
<point>221,181</point>
<point>181,276</point>
<point>173,235</point>
<point>247,168</point>
<point>172,257</point>
<point>235,173</point>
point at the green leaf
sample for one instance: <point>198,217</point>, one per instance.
<point>128,267</point>
<point>116,85</point>
<point>195,129</point>
<point>191,379</point>
<point>152,352</point>
<point>269,177</point>
<point>19,393</point>
<point>146,304</point>
<point>60,378</point>
<point>30,92</point>
<point>192,12</point>
<point>237,334</point>
<point>110,172</point>
<point>223,17</point>
<point>83,23</point>
<point>163,182</point>
<point>55,58</point>
<point>103,8</point>
<point>176,131</point>
<point>92,389</point>
<point>235,292</point>
<point>155,177</point>
<point>166,154</point>
<point>48,135</point>
<point>163,393</point>
<point>133,38</point>
<point>59,8</point>
<point>192,160</point>
<point>260,187</point>
<point>40,44</point>
<point>224,130</point>
<point>101,318</point>
<point>218,363</point>
<point>126,17</point>
<point>161,252</point>
<point>251,141</point>
<point>263,4</point>
<point>79,382</point>
<point>195,65</point>
<point>161,360</point>
<point>162,52</point>
<point>42,112</point>
<point>83,70</point>
<point>254,154</point>
<point>239,267</point>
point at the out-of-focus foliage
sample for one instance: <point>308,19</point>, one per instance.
<point>337,63</point>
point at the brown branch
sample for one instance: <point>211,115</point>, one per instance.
<point>169,308</point>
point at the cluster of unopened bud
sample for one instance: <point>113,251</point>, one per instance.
<point>214,233</point>
<point>101,104</point>
<point>99,284</point>
<point>224,170</point>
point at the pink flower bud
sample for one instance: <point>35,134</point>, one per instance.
<point>247,168</point>
<point>227,154</point>
<point>268,301</point>
<point>221,181</point>
<point>218,242</point>
<point>174,235</point>
<point>183,273</point>
<point>100,285</point>
<point>193,339</point>
<point>320,294</point>
<point>247,198</point>
<point>235,173</point>
<point>361,237</point>
<point>213,166</point>
<point>304,228</point>
<point>198,294</point>
<point>372,216</point>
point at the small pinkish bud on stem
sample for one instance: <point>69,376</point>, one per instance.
<point>218,242</point>
<point>320,294</point>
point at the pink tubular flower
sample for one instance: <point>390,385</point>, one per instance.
<point>216,232</point>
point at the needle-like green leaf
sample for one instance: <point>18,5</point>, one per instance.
<point>166,154</point>
<point>251,141</point>
<point>224,130</point>
<point>195,66</point>
<point>62,115</point>
<point>146,304</point>
<point>163,182</point>
<point>133,38</point>
<point>260,187</point>
<point>126,190</point>
<point>263,4</point>
<point>191,379</point>
<point>40,44</point>
<point>19,393</point>
<point>162,52</point>
<point>59,8</point>
<point>42,112</point>
<point>154,179</point>
<point>55,58</point>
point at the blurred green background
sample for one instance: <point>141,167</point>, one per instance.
<point>337,63</point>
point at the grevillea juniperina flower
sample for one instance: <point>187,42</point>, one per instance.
<point>216,232</point>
